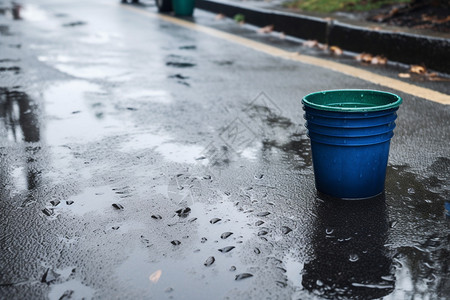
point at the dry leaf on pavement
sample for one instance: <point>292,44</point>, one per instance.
<point>266,29</point>
<point>418,69</point>
<point>310,43</point>
<point>336,50</point>
<point>378,60</point>
<point>364,57</point>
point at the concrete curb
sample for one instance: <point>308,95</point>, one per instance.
<point>396,46</point>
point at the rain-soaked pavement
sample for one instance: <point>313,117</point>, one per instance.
<point>142,160</point>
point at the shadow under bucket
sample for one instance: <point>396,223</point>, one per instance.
<point>350,132</point>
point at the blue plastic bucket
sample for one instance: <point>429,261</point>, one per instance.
<point>350,132</point>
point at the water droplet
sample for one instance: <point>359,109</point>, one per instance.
<point>259,223</point>
<point>209,261</point>
<point>225,235</point>
<point>392,224</point>
<point>262,232</point>
<point>156,217</point>
<point>226,249</point>
<point>203,240</point>
<point>192,220</point>
<point>117,206</point>
<point>260,176</point>
<point>353,257</point>
<point>411,191</point>
<point>214,220</point>
<point>319,282</point>
<point>329,231</point>
<point>281,284</point>
<point>175,242</point>
<point>169,290</point>
<point>115,227</point>
<point>183,212</point>
<point>69,202</point>
<point>243,276</point>
<point>263,214</point>
<point>257,251</point>
<point>232,268</point>
<point>285,230</point>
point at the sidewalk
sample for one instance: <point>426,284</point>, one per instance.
<point>400,46</point>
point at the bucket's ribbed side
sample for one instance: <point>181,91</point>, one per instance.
<point>350,150</point>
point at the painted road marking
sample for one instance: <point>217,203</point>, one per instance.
<point>392,83</point>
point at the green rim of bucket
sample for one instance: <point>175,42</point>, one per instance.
<point>352,100</point>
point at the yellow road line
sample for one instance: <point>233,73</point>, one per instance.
<point>335,66</point>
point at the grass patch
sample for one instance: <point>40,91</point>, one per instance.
<point>328,6</point>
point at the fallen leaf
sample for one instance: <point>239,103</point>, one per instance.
<point>404,75</point>
<point>311,43</point>
<point>336,50</point>
<point>220,17</point>
<point>418,69</point>
<point>266,29</point>
<point>154,277</point>
<point>364,57</point>
<point>378,60</point>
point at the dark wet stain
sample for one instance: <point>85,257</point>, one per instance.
<point>188,47</point>
<point>179,76</point>
<point>224,62</point>
<point>243,276</point>
<point>209,261</point>
<point>117,206</point>
<point>16,70</point>
<point>180,64</point>
<point>183,212</point>
<point>349,257</point>
<point>297,151</point>
<point>16,8</point>
<point>226,249</point>
<point>9,60</point>
<point>74,24</point>
<point>132,108</point>
<point>214,220</point>
<point>156,217</point>
<point>225,235</point>
<point>49,276</point>
<point>4,30</point>
<point>175,242</point>
<point>18,46</point>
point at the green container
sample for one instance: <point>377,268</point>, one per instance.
<point>183,8</point>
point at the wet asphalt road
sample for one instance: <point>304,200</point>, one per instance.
<point>142,160</point>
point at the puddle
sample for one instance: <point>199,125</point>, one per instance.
<point>174,152</point>
<point>99,38</point>
<point>147,95</point>
<point>71,117</point>
<point>92,72</point>
<point>196,269</point>
<point>72,289</point>
<point>93,199</point>
<point>33,13</point>
<point>19,114</point>
<point>293,270</point>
